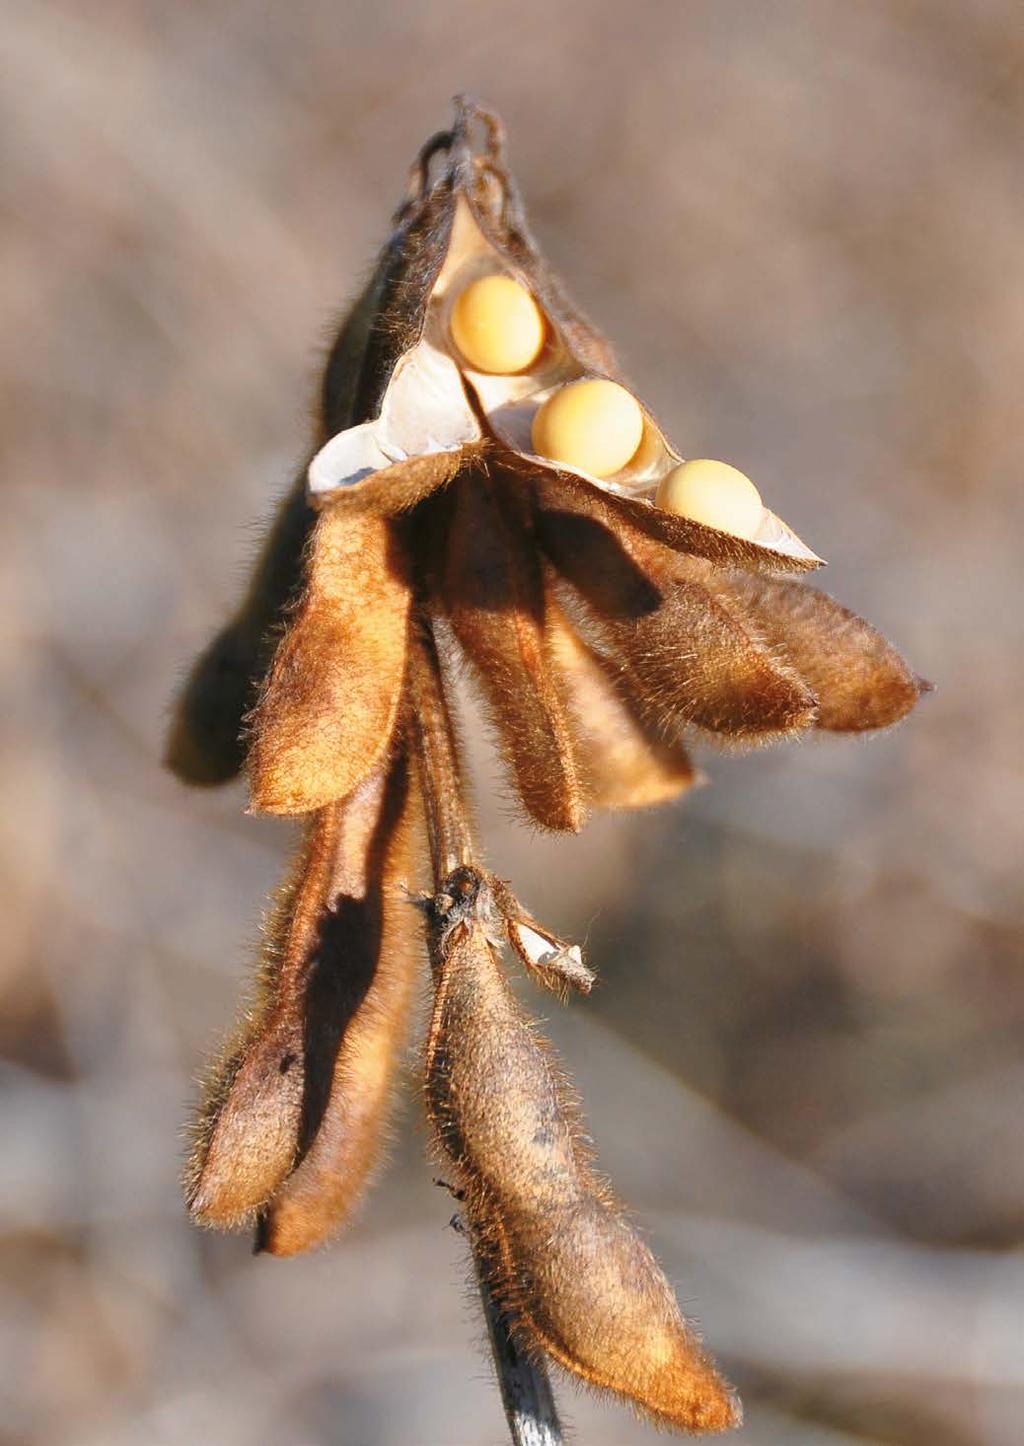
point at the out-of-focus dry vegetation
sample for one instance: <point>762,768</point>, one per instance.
<point>803,225</point>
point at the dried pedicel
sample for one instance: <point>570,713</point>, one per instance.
<point>486,490</point>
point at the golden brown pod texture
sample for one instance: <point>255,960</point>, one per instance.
<point>623,764</point>
<point>381,945</point>
<point>205,743</point>
<point>268,1096</point>
<point>691,657</point>
<point>329,707</point>
<point>571,1270</point>
<point>860,679</point>
<point>494,596</point>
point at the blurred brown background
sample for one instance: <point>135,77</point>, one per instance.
<point>802,223</point>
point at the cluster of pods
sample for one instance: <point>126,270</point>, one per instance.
<point>447,518</point>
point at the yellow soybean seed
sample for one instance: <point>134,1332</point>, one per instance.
<point>497,325</point>
<point>713,493</point>
<point>593,425</point>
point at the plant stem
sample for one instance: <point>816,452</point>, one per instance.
<point>523,1381</point>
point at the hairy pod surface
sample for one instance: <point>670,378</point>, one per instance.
<point>205,742</point>
<point>623,763</point>
<point>859,678</point>
<point>573,1272</point>
<point>691,657</point>
<point>600,625</point>
<point>267,1097</point>
<point>695,661</point>
<point>328,711</point>
<point>373,941</point>
<point>493,594</point>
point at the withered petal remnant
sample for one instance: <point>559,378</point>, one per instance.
<point>604,634</point>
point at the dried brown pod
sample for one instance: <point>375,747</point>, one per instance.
<point>570,1269</point>
<point>623,762</point>
<point>859,678</point>
<point>379,951</point>
<point>332,992</point>
<point>697,661</point>
<point>206,743</point>
<point>331,701</point>
<point>690,656</point>
<point>493,593</point>
<point>603,628</point>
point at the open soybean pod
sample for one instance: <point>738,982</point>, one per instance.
<point>739,653</point>
<point>457,228</point>
<point>328,1019</point>
<point>571,1271</point>
<point>444,394</point>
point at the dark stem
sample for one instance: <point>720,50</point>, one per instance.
<point>523,1382</point>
